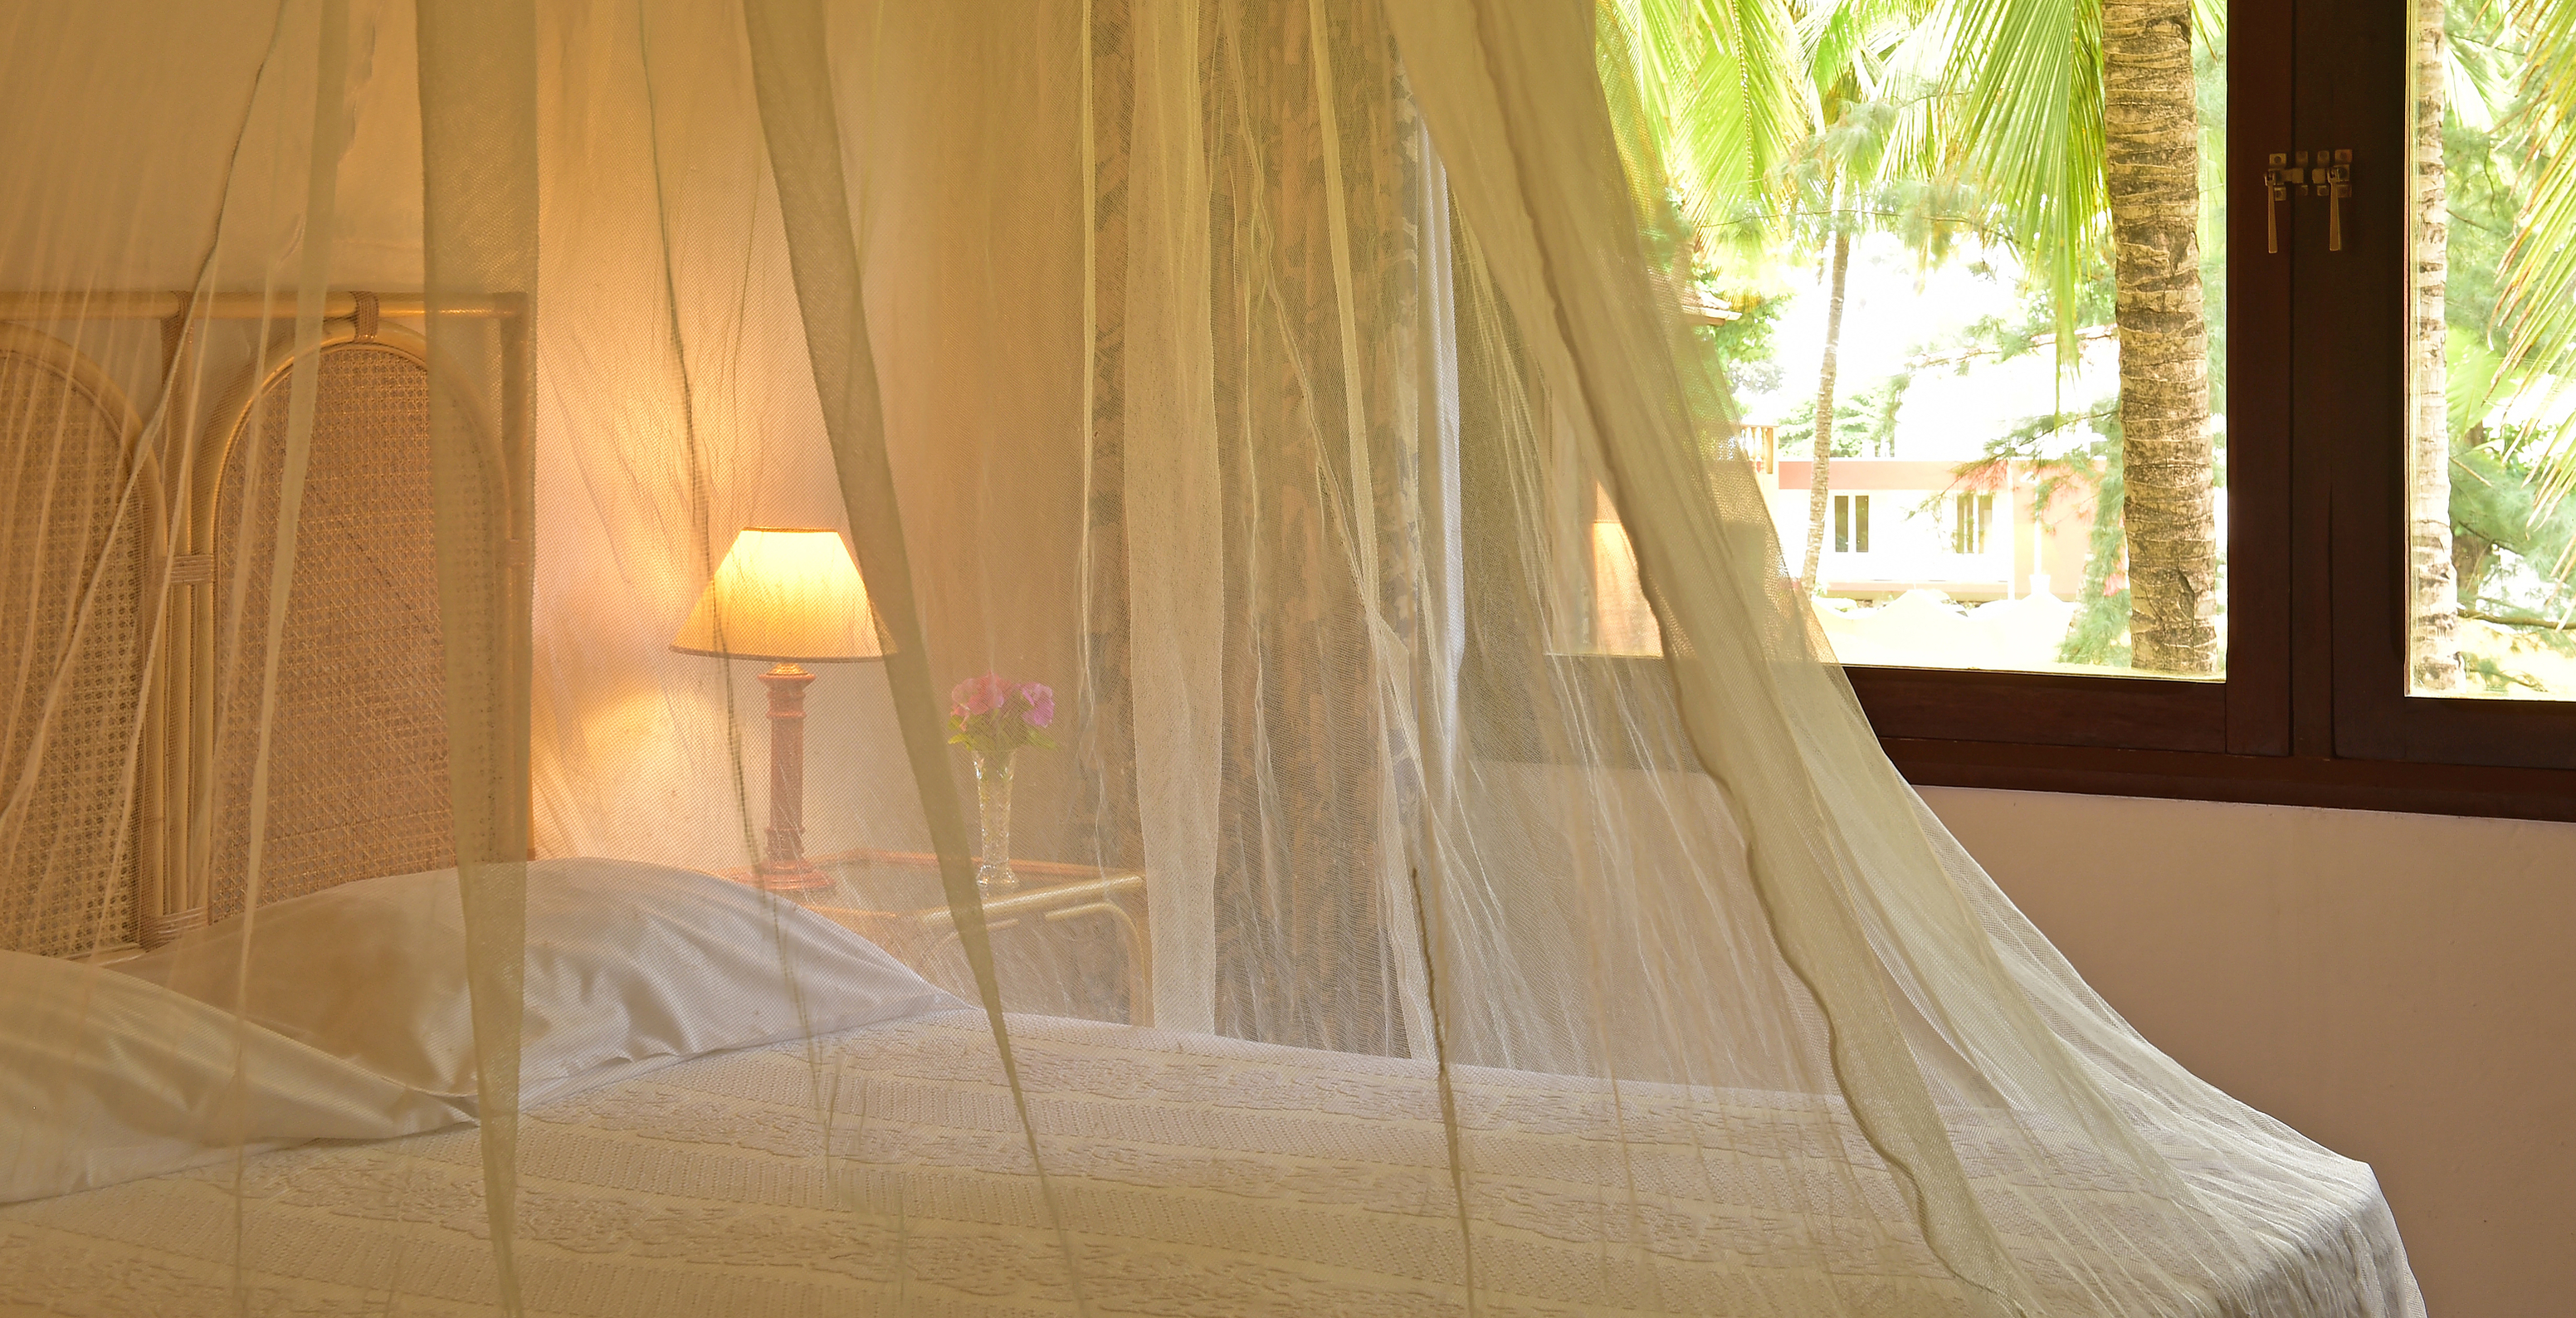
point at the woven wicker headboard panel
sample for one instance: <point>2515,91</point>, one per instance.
<point>68,849</point>
<point>358,781</point>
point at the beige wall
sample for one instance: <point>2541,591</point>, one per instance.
<point>2400,988</point>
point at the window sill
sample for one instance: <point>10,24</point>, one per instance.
<point>2346,784</point>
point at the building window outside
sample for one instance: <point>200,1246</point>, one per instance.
<point>1851,523</point>
<point>1972,520</point>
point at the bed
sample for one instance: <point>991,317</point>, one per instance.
<point>699,1189</point>
<point>873,1162</point>
<point>706,1136</point>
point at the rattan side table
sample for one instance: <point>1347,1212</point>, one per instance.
<point>894,899</point>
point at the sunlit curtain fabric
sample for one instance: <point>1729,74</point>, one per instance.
<point>382,887</point>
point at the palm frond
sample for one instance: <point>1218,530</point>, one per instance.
<point>1727,95</point>
<point>2536,301</point>
<point>2026,79</point>
<point>2209,24</point>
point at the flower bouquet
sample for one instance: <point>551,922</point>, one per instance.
<point>993,718</point>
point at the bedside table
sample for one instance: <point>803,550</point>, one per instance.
<point>894,899</point>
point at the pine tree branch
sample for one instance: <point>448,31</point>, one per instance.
<point>2089,334</point>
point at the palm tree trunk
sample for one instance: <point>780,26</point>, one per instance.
<point>2432,652</point>
<point>2151,167</point>
<point>1820,481</point>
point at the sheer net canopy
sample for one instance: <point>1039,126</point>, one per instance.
<point>668,657</point>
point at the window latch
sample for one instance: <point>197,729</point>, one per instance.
<point>2331,178</point>
<point>2335,184</point>
<point>2276,189</point>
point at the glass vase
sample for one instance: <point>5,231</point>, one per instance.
<point>993,811</point>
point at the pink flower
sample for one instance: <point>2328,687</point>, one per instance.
<point>978,695</point>
<point>996,717</point>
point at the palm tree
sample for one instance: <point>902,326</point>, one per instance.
<point>1728,102</point>
<point>2432,650</point>
<point>2078,120</point>
<point>1775,120</point>
<point>1820,470</point>
<point>1839,173</point>
<point>2151,172</point>
<point>1842,169</point>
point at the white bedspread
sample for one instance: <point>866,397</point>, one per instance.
<point>1269,1181</point>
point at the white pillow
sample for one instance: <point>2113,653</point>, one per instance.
<point>105,1078</point>
<point>629,967</point>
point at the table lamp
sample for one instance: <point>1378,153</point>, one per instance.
<point>789,596</point>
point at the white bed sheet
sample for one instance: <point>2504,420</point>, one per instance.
<point>1297,1183</point>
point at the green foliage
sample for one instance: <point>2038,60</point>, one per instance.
<point>2481,180</point>
<point>2027,75</point>
<point>2092,301</point>
<point>2497,678</point>
<point>1743,348</point>
<point>2512,125</point>
<point>2023,82</point>
<point>1928,119</point>
<point>1725,94</point>
<point>1854,418</point>
<point>1864,421</point>
<point>2472,366</point>
<point>2511,339</point>
<point>2496,497</point>
<point>2058,466</point>
<point>1882,404</point>
<point>2090,469</point>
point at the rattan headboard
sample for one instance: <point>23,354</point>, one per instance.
<point>124,792</point>
<point>78,763</point>
<point>358,783</point>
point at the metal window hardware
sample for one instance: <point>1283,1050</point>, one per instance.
<point>2336,185</point>
<point>2331,178</point>
<point>2276,189</point>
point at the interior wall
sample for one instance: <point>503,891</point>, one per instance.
<point>2400,988</point>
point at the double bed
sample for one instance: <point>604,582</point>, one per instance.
<point>852,1146</point>
<point>882,1169</point>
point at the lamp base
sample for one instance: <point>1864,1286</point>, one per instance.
<point>785,869</point>
<point>790,876</point>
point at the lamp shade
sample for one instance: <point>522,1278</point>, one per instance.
<point>787,595</point>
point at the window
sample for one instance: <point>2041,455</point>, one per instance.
<point>2309,545</point>
<point>2489,544</point>
<point>1972,523</point>
<point>1949,372</point>
<point>1851,523</point>
<point>1622,621</point>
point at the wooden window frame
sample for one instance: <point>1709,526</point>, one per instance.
<point>2312,710</point>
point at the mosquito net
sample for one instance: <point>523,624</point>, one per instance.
<point>666,657</point>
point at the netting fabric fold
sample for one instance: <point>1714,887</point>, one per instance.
<point>666,657</point>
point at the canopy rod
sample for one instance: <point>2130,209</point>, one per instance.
<point>234,306</point>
